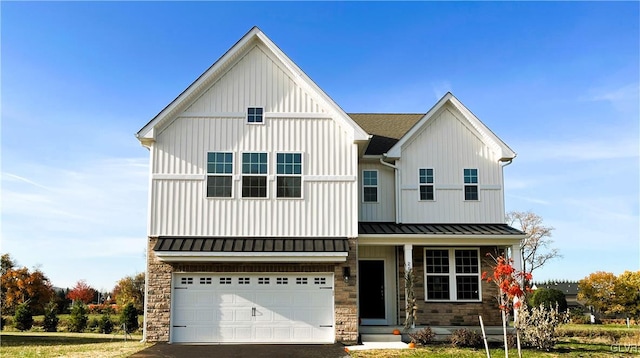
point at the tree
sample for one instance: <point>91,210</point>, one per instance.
<point>21,285</point>
<point>130,289</point>
<point>62,301</point>
<point>7,263</point>
<point>512,285</point>
<point>129,317</point>
<point>82,292</point>
<point>628,293</point>
<point>50,323</point>
<point>23,319</point>
<point>536,245</point>
<point>598,290</point>
<point>549,298</point>
<point>78,318</point>
<point>611,295</point>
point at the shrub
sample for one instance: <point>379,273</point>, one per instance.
<point>3,322</point>
<point>23,317</point>
<point>576,315</point>
<point>549,297</point>
<point>93,325</point>
<point>50,323</point>
<point>423,336</point>
<point>538,326</point>
<point>466,338</point>
<point>129,317</point>
<point>105,325</point>
<point>78,318</point>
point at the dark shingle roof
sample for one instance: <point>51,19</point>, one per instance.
<point>258,244</point>
<point>386,128</point>
<point>384,228</point>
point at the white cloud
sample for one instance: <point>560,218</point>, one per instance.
<point>624,99</point>
<point>67,219</point>
<point>579,150</point>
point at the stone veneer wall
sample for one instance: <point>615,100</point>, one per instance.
<point>450,313</point>
<point>159,294</point>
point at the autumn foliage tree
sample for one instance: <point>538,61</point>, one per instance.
<point>511,287</point>
<point>20,285</point>
<point>82,292</point>
<point>130,289</point>
<point>612,295</point>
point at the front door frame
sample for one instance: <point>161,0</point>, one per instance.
<point>387,255</point>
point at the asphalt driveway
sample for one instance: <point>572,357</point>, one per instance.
<point>164,350</point>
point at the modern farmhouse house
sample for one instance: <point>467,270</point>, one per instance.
<point>276,217</point>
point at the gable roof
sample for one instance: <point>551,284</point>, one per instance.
<point>386,128</point>
<point>208,78</point>
<point>492,140</point>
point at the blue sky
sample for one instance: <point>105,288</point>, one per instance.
<point>558,82</point>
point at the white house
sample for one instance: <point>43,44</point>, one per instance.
<point>276,217</point>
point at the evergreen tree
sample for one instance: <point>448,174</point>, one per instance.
<point>51,320</point>
<point>78,319</point>
<point>129,317</point>
<point>23,317</point>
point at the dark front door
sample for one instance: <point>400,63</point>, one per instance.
<point>371,286</point>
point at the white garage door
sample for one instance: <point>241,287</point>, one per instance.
<point>254,308</point>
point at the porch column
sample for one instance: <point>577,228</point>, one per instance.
<point>408,256</point>
<point>516,256</point>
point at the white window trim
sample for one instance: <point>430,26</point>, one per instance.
<point>477,185</point>
<point>242,175</point>
<point>233,169</point>
<point>301,175</point>
<point>433,185</point>
<point>377,186</point>
<point>452,274</point>
<point>246,117</point>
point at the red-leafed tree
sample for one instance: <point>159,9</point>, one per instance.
<point>82,292</point>
<point>511,288</point>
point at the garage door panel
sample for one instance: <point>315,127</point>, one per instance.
<point>256,308</point>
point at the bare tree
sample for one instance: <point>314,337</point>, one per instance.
<point>536,246</point>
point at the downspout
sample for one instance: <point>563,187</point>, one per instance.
<point>397,186</point>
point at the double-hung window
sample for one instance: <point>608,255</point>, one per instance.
<point>289,175</point>
<point>471,184</point>
<point>219,174</point>
<point>254,175</point>
<point>426,184</point>
<point>369,186</point>
<point>452,274</point>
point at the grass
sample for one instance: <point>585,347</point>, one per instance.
<point>446,351</point>
<point>41,344</point>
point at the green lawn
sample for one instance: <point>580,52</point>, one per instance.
<point>575,341</point>
<point>41,344</point>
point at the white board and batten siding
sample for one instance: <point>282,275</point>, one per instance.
<point>449,144</point>
<point>384,210</point>
<point>215,122</point>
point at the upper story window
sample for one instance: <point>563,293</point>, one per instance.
<point>471,184</point>
<point>255,115</point>
<point>452,274</point>
<point>289,175</point>
<point>254,175</point>
<point>219,171</point>
<point>370,186</point>
<point>426,184</point>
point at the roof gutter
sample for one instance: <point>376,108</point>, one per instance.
<point>397,186</point>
